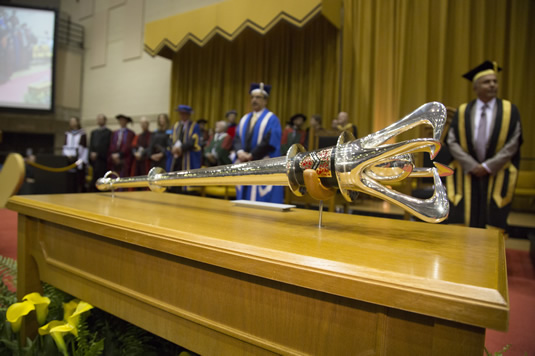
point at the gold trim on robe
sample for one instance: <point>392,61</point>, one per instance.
<point>495,187</point>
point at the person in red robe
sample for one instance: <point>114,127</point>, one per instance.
<point>140,149</point>
<point>121,156</point>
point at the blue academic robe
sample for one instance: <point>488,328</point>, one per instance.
<point>191,149</point>
<point>262,142</point>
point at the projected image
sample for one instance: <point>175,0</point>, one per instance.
<point>26,58</point>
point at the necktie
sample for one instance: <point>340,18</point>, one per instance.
<point>181,132</point>
<point>185,132</point>
<point>252,122</point>
<point>120,138</point>
<point>481,138</point>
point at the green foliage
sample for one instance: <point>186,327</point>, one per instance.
<point>498,353</point>
<point>8,296</point>
<point>99,333</point>
<point>8,281</point>
<point>57,298</point>
<point>38,347</point>
<point>123,338</point>
<point>86,343</point>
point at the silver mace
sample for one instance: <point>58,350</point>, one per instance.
<point>352,166</point>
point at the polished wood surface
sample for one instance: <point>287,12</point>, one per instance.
<point>215,277</point>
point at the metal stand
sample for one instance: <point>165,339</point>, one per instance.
<point>317,190</point>
<point>112,188</point>
<point>321,214</point>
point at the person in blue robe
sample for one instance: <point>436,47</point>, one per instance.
<point>186,149</point>
<point>258,136</point>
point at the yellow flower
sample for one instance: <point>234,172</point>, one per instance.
<point>41,305</point>
<point>69,308</point>
<point>54,329</point>
<point>15,313</point>
<point>71,317</point>
<point>74,319</point>
<point>32,301</point>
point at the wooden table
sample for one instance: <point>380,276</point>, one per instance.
<point>225,280</point>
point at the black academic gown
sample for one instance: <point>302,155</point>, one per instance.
<point>160,142</point>
<point>99,143</point>
<point>484,201</point>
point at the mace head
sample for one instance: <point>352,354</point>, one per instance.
<point>368,165</point>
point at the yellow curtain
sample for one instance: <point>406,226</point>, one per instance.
<point>395,56</point>
<point>299,63</point>
<point>400,54</point>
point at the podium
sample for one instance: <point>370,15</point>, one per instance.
<point>219,279</point>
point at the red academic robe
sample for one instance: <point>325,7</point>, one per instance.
<point>121,143</point>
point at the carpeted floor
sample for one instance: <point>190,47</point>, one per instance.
<point>8,233</point>
<point>520,273</point>
<point>521,333</point>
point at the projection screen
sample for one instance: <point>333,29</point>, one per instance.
<point>27,58</point>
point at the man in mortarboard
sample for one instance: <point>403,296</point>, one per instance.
<point>258,136</point>
<point>186,148</point>
<point>484,139</point>
<point>294,133</point>
<point>121,156</point>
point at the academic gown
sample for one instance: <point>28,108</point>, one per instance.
<point>141,142</point>
<point>188,133</point>
<point>124,148</point>
<point>484,201</point>
<point>99,143</point>
<point>349,127</point>
<point>232,130</point>
<point>75,148</point>
<point>263,141</point>
<point>159,143</point>
<point>291,136</point>
<point>219,145</point>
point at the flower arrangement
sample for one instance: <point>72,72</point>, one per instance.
<point>69,326</point>
<point>57,329</point>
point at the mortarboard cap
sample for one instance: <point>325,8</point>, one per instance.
<point>121,116</point>
<point>487,67</point>
<point>231,112</point>
<point>296,116</point>
<point>260,88</point>
<point>184,108</point>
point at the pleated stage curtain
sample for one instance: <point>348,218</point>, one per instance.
<point>389,58</point>
<point>400,54</point>
<point>299,63</point>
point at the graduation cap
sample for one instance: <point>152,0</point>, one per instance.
<point>293,118</point>
<point>184,108</point>
<point>231,112</point>
<point>260,88</point>
<point>484,68</point>
<point>121,116</point>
